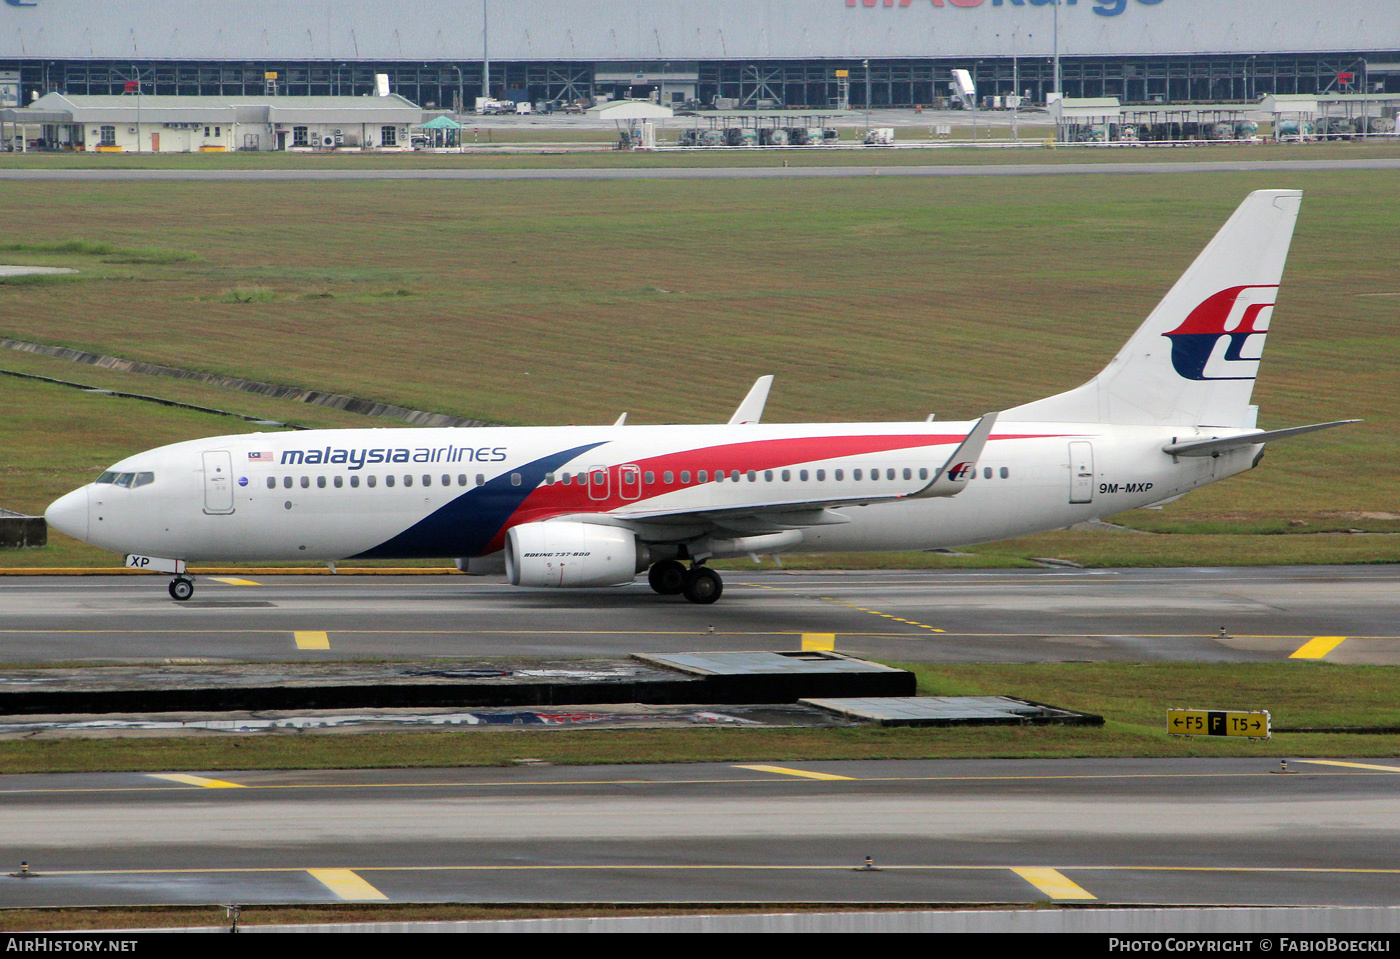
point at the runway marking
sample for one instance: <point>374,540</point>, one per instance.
<point>310,639</point>
<point>714,781</point>
<point>234,581</point>
<point>346,884</point>
<point>1052,882</point>
<point>785,771</point>
<point>656,632</point>
<point>717,867</point>
<point>1317,647</point>
<point>818,642</point>
<point>1338,762</point>
<point>840,602</point>
<point>189,780</point>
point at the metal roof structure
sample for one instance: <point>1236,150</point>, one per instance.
<point>65,108</point>
<point>630,110</point>
<point>680,30</point>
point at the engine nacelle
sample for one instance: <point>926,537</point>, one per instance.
<point>572,554</point>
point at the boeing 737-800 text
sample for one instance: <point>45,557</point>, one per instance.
<point>585,506</point>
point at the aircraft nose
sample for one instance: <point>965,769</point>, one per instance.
<point>69,514</point>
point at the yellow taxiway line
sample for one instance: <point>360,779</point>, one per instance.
<point>1052,882</point>
<point>785,771</point>
<point>347,885</point>
<point>201,781</point>
<point>1317,647</point>
<point>311,639</point>
<point>1338,762</point>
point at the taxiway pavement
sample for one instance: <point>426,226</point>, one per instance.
<point>1187,831</point>
<point>1345,614</point>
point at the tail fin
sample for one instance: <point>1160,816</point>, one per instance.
<point>1193,361</point>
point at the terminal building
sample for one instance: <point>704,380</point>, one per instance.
<point>444,54</point>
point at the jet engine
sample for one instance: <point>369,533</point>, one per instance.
<point>567,554</point>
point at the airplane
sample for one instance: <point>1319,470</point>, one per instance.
<point>594,506</point>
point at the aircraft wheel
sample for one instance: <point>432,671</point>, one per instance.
<point>667,577</point>
<point>181,589</point>
<point>702,585</point>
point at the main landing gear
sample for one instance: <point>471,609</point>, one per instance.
<point>181,588</point>
<point>699,584</point>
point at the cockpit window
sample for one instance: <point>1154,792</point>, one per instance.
<point>107,477</point>
<point>143,479</point>
<point>124,480</point>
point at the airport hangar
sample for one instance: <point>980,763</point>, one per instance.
<point>446,53</point>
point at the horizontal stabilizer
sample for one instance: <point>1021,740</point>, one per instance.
<point>953,476</point>
<point>1213,447</point>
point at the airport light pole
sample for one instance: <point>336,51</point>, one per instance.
<point>866,64</point>
<point>1056,79</point>
<point>485,53</point>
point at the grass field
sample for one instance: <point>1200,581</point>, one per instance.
<point>871,298</point>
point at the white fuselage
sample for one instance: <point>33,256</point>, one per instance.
<point>411,493</point>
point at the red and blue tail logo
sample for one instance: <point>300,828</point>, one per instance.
<point>1223,337</point>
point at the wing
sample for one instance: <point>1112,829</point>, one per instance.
<point>764,519</point>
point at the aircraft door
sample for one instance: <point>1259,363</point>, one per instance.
<point>629,482</point>
<point>598,484</point>
<point>1081,472</point>
<point>218,481</point>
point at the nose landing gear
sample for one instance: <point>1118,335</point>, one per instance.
<point>181,588</point>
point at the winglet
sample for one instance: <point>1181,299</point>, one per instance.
<point>621,420</point>
<point>751,410</point>
<point>954,474</point>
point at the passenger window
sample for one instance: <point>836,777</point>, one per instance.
<point>668,477</point>
<point>355,482</point>
<point>986,472</point>
<point>1005,472</point>
<point>767,476</point>
<point>371,480</point>
<point>407,480</point>
<point>719,476</point>
<point>427,480</point>
<point>461,479</point>
<point>320,482</point>
<point>272,482</point>
<point>821,476</point>
<point>286,482</point>
<point>889,474</point>
<point>786,475</point>
<point>923,472</point>
<point>839,475</point>
<point>874,474</point>
<point>480,479</point>
<point>908,473</point>
<point>306,482</point>
<point>702,477</point>
<point>734,475</point>
<point>548,479</point>
<point>685,476</point>
<point>802,475</point>
<point>649,478</point>
<point>514,479</point>
<point>389,480</point>
<point>753,476</point>
<point>339,482</point>
<point>855,474</point>
<point>446,480</point>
